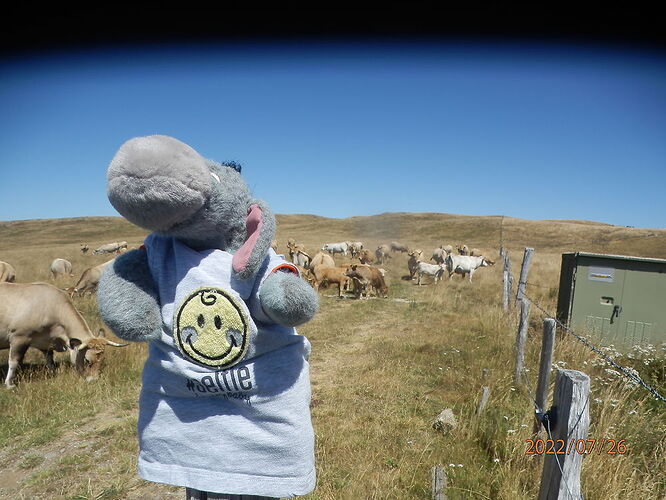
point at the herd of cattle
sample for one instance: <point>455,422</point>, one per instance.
<point>367,277</point>
<point>43,316</point>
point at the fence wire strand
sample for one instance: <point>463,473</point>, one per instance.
<point>598,351</point>
<point>624,371</point>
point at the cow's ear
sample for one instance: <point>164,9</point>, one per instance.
<point>74,343</point>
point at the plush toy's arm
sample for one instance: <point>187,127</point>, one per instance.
<point>287,299</point>
<point>127,298</point>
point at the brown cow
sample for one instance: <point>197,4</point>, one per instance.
<point>325,275</point>
<point>369,277</point>
<point>366,257</point>
<point>40,315</point>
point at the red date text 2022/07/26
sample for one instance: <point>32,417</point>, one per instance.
<point>580,446</point>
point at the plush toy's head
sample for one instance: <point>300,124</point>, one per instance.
<point>163,185</point>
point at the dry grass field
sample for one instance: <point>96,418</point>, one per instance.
<point>381,370</point>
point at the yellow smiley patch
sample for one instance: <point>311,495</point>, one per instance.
<point>211,328</point>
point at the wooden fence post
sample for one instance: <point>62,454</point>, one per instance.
<point>507,280</point>
<point>561,471</point>
<point>485,393</point>
<point>547,346</point>
<point>521,339</point>
<point>525,268</point>
<point>438,483</point>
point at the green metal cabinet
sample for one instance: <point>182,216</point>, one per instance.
<point>615,299</point>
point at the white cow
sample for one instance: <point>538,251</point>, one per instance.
<point>355,247</point>
<point>7,272</point>
<point>61,266</point>
<point>434,270</point>
<point>116,246</point>
<point>41,316</point>
<point>333,248</point>
<point>466,264</point>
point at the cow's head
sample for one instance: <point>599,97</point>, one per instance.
<point>88,356</point>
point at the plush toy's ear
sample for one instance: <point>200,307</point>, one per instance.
<point>260,227</point>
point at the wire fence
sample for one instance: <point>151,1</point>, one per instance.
<point>623,370</point>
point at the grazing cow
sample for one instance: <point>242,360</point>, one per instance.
<point>7,272</point>
<point>369,278</point>
<point>89,279</point>
<point>382,254</point>
<point>333,248</point>
<point>434,270</point>
<point>462,250</point>
<point>466,264</point>
<point>61,267</point>
<point>323,276</point>
<point>366,257</point>
<point>321,259</point>
<point>398,247</point>
<point>84,248</point>
<point>355,247</point>
<point>110,247</point>
<point>412,263</point>
<point>40,315</point>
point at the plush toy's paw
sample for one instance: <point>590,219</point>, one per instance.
<point>287,299</point>
<point>127,298</point>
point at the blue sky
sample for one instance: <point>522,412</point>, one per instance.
<point>526,130</point>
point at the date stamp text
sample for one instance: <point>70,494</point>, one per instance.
<point>580,446</point>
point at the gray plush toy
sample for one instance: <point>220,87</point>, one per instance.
<point>225,395</point>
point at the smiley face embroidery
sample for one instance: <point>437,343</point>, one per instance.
<point>211,328</point>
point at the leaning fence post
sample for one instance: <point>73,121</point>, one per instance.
<point>547,345</point>
<point>507,280</point>
<point>569,422</point>
<point>521,339</point>
<point>438,483</point>
<point>525,268</point>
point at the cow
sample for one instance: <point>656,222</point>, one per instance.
<point>7,272</point>
<point>42,316</point>
<point>84,248</point>
<point>412,263</point>
<point>301,258</point>
<point>440,253</point>
<point>398,247</point>
<point>110,247</point>
<point>369,278</point>
<point>324,275</point>
<point>321,259</point>
<point>61,267</point>
<point>382,254</point>
<point>366,257</point>
<point>293,250</point>
<point>89,279</point>
<point>462,249</point>
<point>355,247</point>
<point>434,270</point>
<point>333,248</point>
<point>466,264</point>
